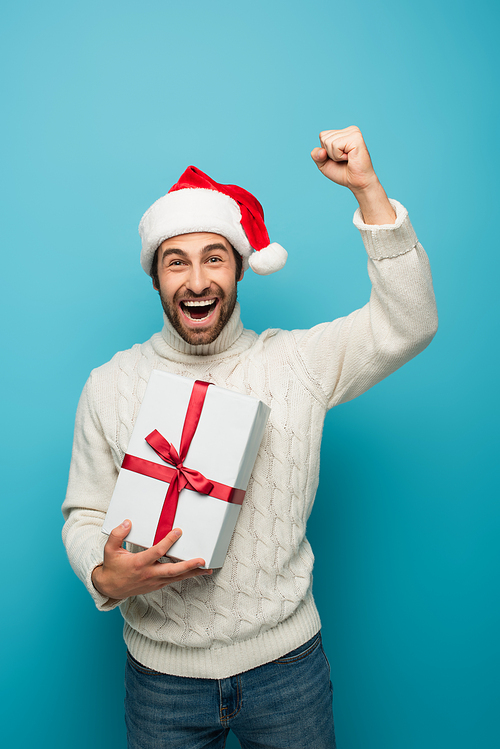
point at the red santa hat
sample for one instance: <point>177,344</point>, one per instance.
<point>196,203</point>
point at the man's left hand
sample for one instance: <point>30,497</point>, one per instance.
<point>344,159</point>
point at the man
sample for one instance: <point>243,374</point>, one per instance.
<point>238,647</point>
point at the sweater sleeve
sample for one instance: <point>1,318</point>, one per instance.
<point>346,357</point>
<point>92,478</point>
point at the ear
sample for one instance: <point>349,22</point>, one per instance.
<point>155,287</point>
<point>241,276</point>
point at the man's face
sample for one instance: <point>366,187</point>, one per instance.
<point>197,284</point>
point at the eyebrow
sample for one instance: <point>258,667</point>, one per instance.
<point>205,250</point>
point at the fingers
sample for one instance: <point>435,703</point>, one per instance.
<point>166,573</point>
<point>169,572</point>
<point>172,572</point>
<point>160,549</point>
<point>338,143</point>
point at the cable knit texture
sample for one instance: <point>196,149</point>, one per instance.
<point>259,605</point>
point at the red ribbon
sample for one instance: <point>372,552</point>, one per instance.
<point>180,477</point>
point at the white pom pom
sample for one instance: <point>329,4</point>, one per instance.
<point>268,260</point>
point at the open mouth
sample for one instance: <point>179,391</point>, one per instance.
<point>198,309</point>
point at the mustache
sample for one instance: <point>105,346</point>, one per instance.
<point>212,290</point>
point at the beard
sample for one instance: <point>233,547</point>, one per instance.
<point>201,335</point>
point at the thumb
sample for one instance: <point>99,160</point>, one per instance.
<point>118,535</point>
<point>319,156</point>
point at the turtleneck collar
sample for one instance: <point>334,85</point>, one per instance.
<point>228,337</point>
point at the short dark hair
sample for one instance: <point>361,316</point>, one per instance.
<point>154,267</point>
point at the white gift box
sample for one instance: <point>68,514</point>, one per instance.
<point>223,449</point>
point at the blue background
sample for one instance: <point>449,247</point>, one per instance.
<point>104,105</point>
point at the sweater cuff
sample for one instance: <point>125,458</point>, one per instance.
<point>103,603</point>
<point>387,240</point>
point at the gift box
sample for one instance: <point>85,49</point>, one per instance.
<point>187,466</point>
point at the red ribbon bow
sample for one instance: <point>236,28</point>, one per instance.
<point>180,477</point>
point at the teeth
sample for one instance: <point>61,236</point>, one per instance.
<point>205,306</point>
<point>204,303</point>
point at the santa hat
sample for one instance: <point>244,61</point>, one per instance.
<point>196,203</point>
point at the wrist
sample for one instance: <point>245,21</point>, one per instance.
<point>96,573</point>
<point>374,204</point>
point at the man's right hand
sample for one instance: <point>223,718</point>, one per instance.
<point>124,574</point>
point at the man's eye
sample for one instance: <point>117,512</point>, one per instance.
<point>213,259</point>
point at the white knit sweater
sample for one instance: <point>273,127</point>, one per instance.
<point>259,605</point>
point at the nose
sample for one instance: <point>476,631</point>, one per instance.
<point>198,280</point>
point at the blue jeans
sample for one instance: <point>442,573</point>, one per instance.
<point>285,704</point>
